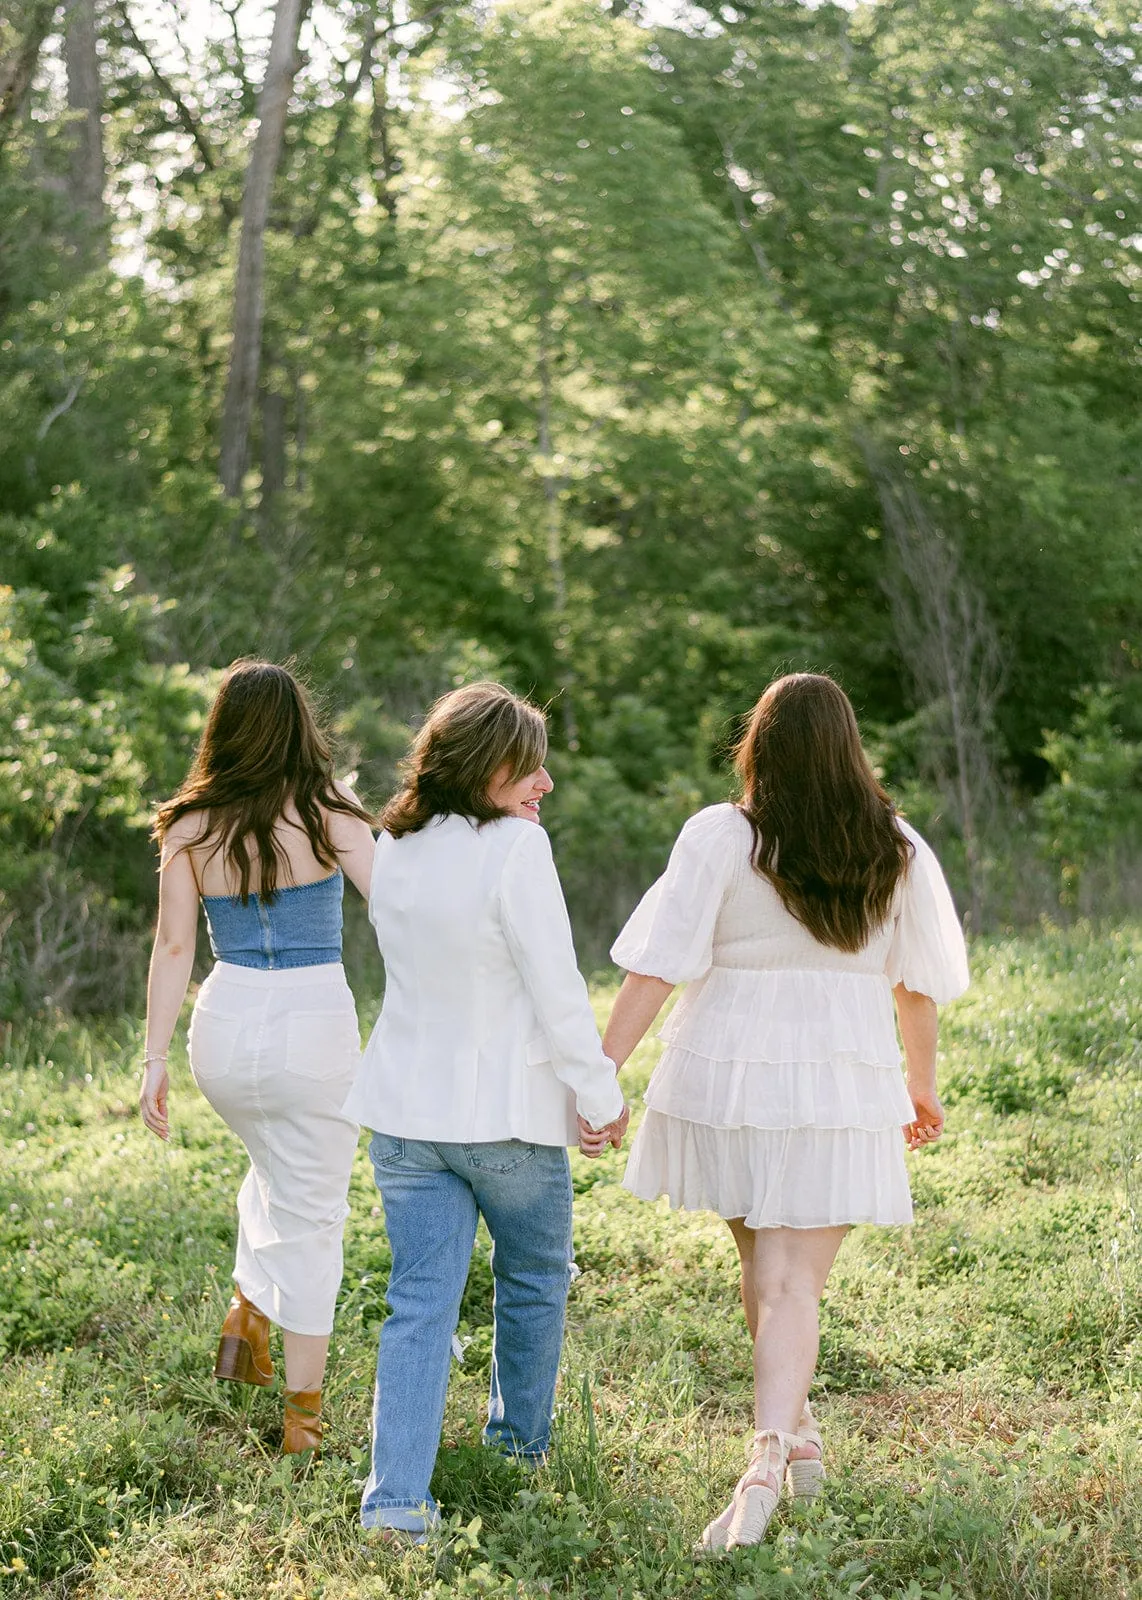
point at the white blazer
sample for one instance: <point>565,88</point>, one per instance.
<point>486,1031</point>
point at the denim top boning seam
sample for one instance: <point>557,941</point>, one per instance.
<point>299,927</point>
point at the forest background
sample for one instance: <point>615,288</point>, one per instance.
<point>628,354</point>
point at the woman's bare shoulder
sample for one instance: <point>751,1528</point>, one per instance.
<point>344,789</point>
<point>184,831</point>
<point>344,828</point>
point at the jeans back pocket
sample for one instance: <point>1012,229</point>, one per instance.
<point>500,1155</point>
<point>386,1150</point>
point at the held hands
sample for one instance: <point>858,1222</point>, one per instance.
<point>153,1097</point>
<point>929,1121</point>
<point>593,1141</point>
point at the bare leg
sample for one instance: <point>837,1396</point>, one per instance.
<point>304,1359</point>
<point>784,1271</point>
<point>743,1238</point>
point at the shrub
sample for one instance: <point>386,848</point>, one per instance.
<point>1095,802</point>
<point>92,729</point>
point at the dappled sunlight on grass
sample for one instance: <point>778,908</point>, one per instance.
<point>980,1379</point>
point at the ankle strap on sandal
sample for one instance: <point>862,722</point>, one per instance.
<point>786,1441</point>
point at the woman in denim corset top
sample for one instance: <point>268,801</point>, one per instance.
<point>261,832</point>
<point>484,1065</point>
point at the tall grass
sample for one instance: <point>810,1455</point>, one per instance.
<point>980,1382</point>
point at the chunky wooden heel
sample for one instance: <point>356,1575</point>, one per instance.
<point>235,1362</point>
<point>244,1347</point>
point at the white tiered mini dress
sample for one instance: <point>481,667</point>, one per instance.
<point>780,1096</point>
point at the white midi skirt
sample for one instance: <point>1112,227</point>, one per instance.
<point>275,1051</point>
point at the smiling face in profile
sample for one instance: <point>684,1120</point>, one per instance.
<point>519,797</point>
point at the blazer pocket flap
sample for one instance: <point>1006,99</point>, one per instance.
<point>538,1050</point>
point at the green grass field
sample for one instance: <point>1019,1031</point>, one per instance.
<point>980,1386</point>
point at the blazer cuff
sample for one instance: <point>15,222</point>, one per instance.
<point>597,1110</point>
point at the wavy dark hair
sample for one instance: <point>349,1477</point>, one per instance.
<point>467,736</point>
<point>262,747</point>
<point>824,829</point>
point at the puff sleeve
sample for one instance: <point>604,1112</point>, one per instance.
<point>927,953</point>
<point>670,933</point>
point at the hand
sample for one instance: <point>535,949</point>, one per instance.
<point>593,1141</point>
<point>617,1129</point>
<point>153,1098</point>
<point>929,1121</point>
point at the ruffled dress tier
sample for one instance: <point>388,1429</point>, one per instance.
<point>780,1096</point>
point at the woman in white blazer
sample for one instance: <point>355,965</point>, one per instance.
<point>484,1065</point>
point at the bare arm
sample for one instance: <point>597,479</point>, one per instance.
<point>354,843</point>
<point>638,1003</point>
<point>917,1016</point>
<point>172,958</point>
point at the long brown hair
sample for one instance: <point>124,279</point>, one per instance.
<point>467,736</point>
<point>261,748</point>
<point>823,827</point>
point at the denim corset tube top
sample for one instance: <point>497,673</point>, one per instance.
<point>299,927</point>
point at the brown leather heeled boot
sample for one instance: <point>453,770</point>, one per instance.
<point>244,1348</point>
<point>302,1422</point>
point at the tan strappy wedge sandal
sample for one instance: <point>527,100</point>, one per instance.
<point>755,1498</point>
<point>758,1490</point>
<point>805,1479</point>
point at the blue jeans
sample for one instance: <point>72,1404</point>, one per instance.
<point>433,1195</point>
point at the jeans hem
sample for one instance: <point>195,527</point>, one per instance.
<point>404,1516</point>
<point>532,1455</point>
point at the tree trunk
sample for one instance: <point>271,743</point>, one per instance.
<point>87,176</point>
<point>274,459</point>
<point>551,488</point>
<point>950,647</point>
<point>19,68</point>
<point>300,429</point>
<point>246,346</point>
<point>381,162</point>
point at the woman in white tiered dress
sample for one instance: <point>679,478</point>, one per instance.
<point>796,918</point>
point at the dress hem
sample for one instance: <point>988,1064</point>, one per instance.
<point>851,1222</point>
